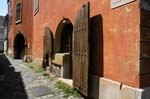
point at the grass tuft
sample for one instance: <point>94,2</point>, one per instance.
<point>69,91</point>
<point>45,74</point>
<point>38,69</point>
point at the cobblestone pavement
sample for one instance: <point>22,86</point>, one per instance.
<point>21,82</point>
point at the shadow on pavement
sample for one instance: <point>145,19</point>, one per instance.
<point>12,87</point>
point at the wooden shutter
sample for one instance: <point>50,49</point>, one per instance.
<point>81,50</point>
<point>18,12</point>
<point>48,42</point>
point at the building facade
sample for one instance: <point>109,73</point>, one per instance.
<point>108,39</point>
<point>6,28</point>
<point>21,27</point>
<point>1,33</point>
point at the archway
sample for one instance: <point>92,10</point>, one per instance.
<point>19,46</point>
<point>48,47</point>
<point>66,39</point>
<point>63,45</point>
<point>65,27</point>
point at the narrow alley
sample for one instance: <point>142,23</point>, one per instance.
<point>69,49</point>
<point>21,82</point>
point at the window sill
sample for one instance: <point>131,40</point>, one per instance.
<point>36,11</point>
<point>19,21</point>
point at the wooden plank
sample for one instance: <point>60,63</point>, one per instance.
<point>81,50</point>
<point>145,50</point>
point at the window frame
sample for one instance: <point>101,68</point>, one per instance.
<point>36,8</point>
<point>10,20</point>
<point>19,20</point>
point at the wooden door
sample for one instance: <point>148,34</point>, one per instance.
<point>48,41</point>
<point>47,46</point>
<point>81,50</point>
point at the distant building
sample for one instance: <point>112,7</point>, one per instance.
<point>6,28</point>
<point>1,33</point>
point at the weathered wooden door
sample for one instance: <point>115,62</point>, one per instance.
<point>48,41</point>
<point>81,50</point>
<point>47,45</point>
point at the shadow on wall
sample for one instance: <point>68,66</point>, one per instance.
<point>144,48</point>
<point>96,46</point>
<point>96,55</point>
<point>12,87</point>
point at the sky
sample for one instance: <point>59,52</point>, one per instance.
<point>3,7</point>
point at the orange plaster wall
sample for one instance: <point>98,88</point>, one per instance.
<point>115,54</point>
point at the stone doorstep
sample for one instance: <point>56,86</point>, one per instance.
<point>67,81</point>
<point>59,58</point>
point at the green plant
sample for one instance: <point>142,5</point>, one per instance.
<point>37,68</point>
<point>31,67</point>
<point>45,74</point>
<point>67,89</point>
<point>59,84</point>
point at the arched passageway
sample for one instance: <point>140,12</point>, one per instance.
<point>63,46</point>
<point>63,36</point>
<point>19,46</point>
<point>66,39</point>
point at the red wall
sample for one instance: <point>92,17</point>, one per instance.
<point>26,25</point>
<point>121,30</point>
<point>115,34</point>
<point>51,13</point>
<point>11,24</point>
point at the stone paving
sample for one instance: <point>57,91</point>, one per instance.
<point>21,82</point>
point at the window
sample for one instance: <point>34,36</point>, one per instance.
<point>36,6</point>
<point>10,3</point>
<point>18,13</point>
<point>10,20</point>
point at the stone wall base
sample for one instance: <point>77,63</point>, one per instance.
<point>55,70</point>
<point>27,58</point>
<point>59,71</point>
<point>37,60</point>
<point>10,53</point>
<point>109,89</point>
